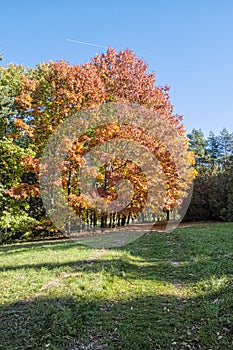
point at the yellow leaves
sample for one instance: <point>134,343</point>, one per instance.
<point>194,173</point>
<point>78,202</point>
<point>26,128</point>
<point>32,164</point>
<point>50,128</point>
<point>78,147</point>
<point>24,99</point>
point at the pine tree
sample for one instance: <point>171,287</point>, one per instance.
<point>213,148</point>
<point>197,144</point>
<point>225,141</point>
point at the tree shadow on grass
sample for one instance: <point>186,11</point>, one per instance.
<point>56,245</point>
<point>157,257</point>
<point>150,322</point>
<point>157,270</point>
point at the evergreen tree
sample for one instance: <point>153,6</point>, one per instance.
<point>226,212</point>
<point>213,148</point>
<point>213,188</point>
<point>197,144</point>
<point>225,141</point>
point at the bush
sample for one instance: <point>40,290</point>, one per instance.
<point>16,225</point>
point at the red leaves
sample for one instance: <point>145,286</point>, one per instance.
<point>124,76</point>
<point>23,191</point>
<point>55,90</point>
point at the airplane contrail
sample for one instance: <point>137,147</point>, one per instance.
<point>85,43</point>
<point>96,45</point>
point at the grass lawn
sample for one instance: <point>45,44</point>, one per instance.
<point>163,291</point>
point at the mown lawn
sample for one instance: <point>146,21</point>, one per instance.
<point>163,291</point>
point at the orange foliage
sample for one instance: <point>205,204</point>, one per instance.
<point>56,90</point>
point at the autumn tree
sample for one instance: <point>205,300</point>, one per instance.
<point>54,91</point>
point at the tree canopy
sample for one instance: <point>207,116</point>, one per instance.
<point>36,102</point>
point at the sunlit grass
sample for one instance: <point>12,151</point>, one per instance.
<point>162,291</point>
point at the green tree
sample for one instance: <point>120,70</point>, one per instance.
<point>213,148</point>
<point>226,213</point>
<point>212,195</point>
<point>14,216</point>
<point>197,144</point>
<point>225,141</point>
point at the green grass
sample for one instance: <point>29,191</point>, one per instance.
<point>163,291</point>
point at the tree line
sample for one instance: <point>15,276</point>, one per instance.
<point>212,197</point>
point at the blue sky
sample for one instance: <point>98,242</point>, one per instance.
<point>188,43</point>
